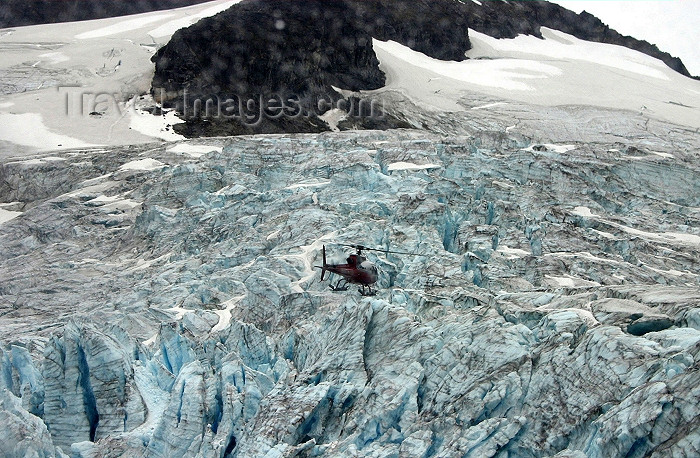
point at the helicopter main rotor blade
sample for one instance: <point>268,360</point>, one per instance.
<point>363,248</point>
<point>400,252</point>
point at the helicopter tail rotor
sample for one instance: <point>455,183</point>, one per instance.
<point>325,265</point>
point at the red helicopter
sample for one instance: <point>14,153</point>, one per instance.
<point>357,270</point>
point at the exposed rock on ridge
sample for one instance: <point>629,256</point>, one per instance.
<point>294,47</point>
<point>507,19</point>
<point>298,49</point>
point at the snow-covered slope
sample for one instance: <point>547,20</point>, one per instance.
<point>53,76</point>
<point>81,84</point>
<point>559,70</point>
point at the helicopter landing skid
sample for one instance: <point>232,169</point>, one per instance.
<point>339,287</point>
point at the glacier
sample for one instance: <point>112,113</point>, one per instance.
<point>160,299</point>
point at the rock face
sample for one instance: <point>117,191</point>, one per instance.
<point>295,47</point>
<point>435,28</point>
<point>16,13</point>
<point>166,303</point>
<point>303,47</point>
<point>298,50</point>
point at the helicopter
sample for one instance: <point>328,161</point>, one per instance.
<point>357,270</point>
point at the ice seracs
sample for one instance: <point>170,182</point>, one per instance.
<point>194,150</point>
<point>409,166</point>
<point>194,324</point>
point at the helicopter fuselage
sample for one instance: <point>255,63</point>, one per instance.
<point>364,273</point>
<point>357,270</point>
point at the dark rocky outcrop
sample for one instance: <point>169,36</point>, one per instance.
<point>16,13</point>
<point>269,47</point>
<point>297,48</point>
<point>304,46</point>
<point>435,28</point>
<point>226,68</point>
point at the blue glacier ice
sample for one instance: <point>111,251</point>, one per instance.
<point>175,311</point>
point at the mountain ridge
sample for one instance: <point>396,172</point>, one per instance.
<point>219,57</point>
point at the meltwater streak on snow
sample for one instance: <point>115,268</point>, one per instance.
<point>13,128</point>
<point>171,27</point>
<point>503,73</point>
<point>123,26</point>
<point>559,45</point>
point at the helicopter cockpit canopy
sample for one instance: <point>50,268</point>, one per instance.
<point>368,267</point>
